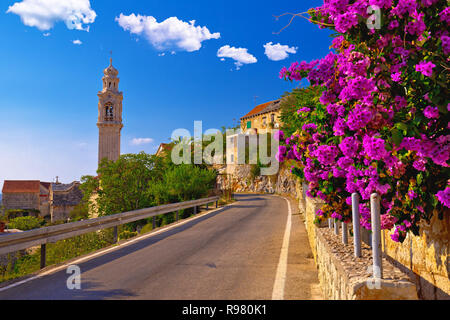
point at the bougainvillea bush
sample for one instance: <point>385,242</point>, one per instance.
<point>382,121</point>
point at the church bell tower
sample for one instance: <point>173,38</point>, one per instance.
<point>109,115</point>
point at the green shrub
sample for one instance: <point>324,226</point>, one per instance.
<point>26,223</point>
<point>127,234</point>
<point>147,228</point>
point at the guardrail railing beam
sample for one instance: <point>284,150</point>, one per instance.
<point>40,237</point>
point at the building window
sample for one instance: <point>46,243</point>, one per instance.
<point>264,121</point>
<point>249,124</point>
<point>272,118</point>
<point>109,112</point>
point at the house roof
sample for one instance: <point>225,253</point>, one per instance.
<point>61,187</point>
<point>263,108</point>
<point>71,197</point>
<point>46,185</point>
<point>21,186</point>
<point>164,147</point>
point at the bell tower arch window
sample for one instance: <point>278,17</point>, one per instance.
<point>109,112</point>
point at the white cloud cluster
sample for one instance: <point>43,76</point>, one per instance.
<point>170,33</point>
<point>43,14</point>
<point>278,52</point>
<point>141,141</point>
<point>77,42</point>
<point>240,55</point>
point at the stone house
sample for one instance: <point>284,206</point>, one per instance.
<point>64,198</point>
<point>262,118</point>
<point>32,197</point>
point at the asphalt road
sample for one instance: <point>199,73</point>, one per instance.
<point>229,254</point>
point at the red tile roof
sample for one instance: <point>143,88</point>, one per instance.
<point>21,186</point>
<point>258,109</point>
<point>46,185</point>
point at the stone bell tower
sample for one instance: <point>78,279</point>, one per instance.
<point>109,115</point>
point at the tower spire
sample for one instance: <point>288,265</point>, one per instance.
<point>109,115</point>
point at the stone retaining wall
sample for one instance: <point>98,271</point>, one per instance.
<point>341,275</point>
<point>425,257</point>
<point>418,268</point>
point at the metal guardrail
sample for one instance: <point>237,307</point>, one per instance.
<point>42,236</point>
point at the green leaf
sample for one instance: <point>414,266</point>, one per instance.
<point>397,136</point>
<point>419,179</point>
<point>402,126</point>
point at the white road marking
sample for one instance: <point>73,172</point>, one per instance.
<point>280,277</point>
<point>102,252</point>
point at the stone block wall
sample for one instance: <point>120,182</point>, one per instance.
<point>425,258</point>
<point>343,277</point>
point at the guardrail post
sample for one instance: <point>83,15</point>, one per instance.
<point>43,255</point>
<point>195,210</point>
<point>336,227</point>
<point>178,211</point>
<point>115,235</point>
<point>153,222</point>
<point>217,204</point>
<point>356,225</point>
<point>344,233</point>
<point>376,236</point>
<point>207,206</point>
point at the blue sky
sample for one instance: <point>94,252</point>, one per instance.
<point>49,84</point>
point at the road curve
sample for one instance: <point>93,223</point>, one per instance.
<point>230,254</point>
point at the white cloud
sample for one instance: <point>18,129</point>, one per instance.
<point>43,14</point>
<point>47,34</point>
<point>141,141</point>
<point>278,52</point>
<point>170,33</point>
<point>240,55</point>
<point>78,42</point>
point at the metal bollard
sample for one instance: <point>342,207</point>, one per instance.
<point>336,227</point>
<point>330,223</point>
<point>43,255</point>
<point>376,236</point>
<point>115,235</point>
<point>344,233</point>
<point>356,225</point>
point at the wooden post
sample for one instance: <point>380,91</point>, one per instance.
<point>115,235</point>
<point>43,255</point>
<point>376,236</point>
<point>356,225</point>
